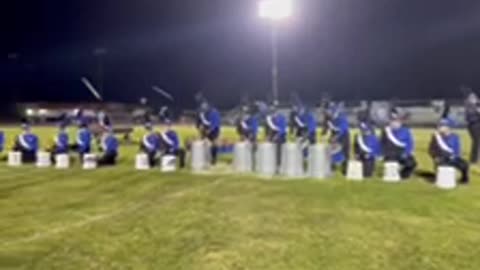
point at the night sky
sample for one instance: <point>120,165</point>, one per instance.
<point>353,49</point>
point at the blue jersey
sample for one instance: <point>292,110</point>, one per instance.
<point>110,144</point>
<point>28,141</point>
<point>367,144</point>
<point>170,142</point>
<point>277,124</point>
<point>448,144</point>
<point>339,125</point>
<point>210,119</point>
<point>400,138</point>
<point>61,142</point>
<point>337,154</point>
<point>84,140</point>
<point>2,141</point>
<point>150,142</point>
<point>249,127</point>
<point>310,123</point>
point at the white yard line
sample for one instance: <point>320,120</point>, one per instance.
<point>101,217</point>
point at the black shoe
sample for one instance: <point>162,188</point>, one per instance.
<point>464,182</point>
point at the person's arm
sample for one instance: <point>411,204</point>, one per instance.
<point>409,144</point>
<point>432,148</point>
<point>457,148</point>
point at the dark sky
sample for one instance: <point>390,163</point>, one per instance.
<point>351,48</point>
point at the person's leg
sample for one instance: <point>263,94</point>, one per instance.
<point>463,166</point>
<point>180,154</point>
<point>152,159</point>
<point>408,166</point>
<point>213,138</point>
<point>368,167</point>
<point>29,157</point>
<point>473,130</point>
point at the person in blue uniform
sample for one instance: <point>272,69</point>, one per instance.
<point>305,128</point>
<point>150,144</point>
<point>276,131</point>
<point>2,141</point>
<point>472,116</point>
<point>109,148</point>
<point>60,142</point>
<point>83,140</point>
<point>445,149</point>
<point>398,145</point>
<point>339,128</point>
<point>247,125</point>
<point>27,143</point>
<point>367,148</point>
<point>170,144</point>
<point>209,125</point>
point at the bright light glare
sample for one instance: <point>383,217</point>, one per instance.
<point>275,9</point>
<point>43,112</point>
<point>30,112</point>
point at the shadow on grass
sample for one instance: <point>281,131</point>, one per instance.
<point>428,176</point>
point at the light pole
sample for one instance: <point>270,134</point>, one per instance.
<point>275,11</point>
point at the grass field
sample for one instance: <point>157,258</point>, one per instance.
<point>118,218</point>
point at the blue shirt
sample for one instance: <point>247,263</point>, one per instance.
<point>277,124</point>
<point>110,144</point>
<point>250,126</point>
<point>369,144</point>
<point>29,141</point>
<point>210,119</point>
<point>402,138</point>
<point>170,141</point>
<point>449,143</point>
<point>339,125</point>
<point>61,142</point>
<point>310,122</point>
<point>2,141</point>
<point>151,142</point>
<point>84,140</point>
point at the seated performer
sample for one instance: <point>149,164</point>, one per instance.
<point>445,149</point>
<point>109,148</point>
<point>209,125</point>
<point>150,144</point>
<point>276,131</point>
<point>170,144</point>
<point>367,148</point>
<point>60,141</point>
<point>2,141</point>
<point>337,124</point>
<point>247,125</point>
<point>305,128</point>
<point>27,143</point>
<point>398,145</point>
<point>84,140</point>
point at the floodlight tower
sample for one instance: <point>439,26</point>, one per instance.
<point>275,11</point>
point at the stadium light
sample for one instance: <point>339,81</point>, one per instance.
<point>275,10</point>
<point>29,112</point>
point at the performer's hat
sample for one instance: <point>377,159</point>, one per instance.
<point>446,122</point>
<point>395,114</point>
<point>148,125</point>
<point>365,127</point>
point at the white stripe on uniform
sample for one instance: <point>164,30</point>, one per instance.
<point>394,139</point>
<point>443,144</point>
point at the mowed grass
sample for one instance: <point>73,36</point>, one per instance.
<point>119,218</point>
